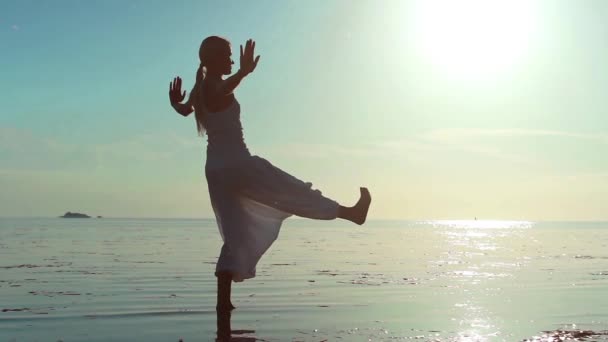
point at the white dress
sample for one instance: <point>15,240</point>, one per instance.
<point>250,196</point>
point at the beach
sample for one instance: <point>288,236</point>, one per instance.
<point>152,280</point>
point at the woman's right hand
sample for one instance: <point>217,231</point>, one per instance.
<point>248,64</point>
<point>175,91</point>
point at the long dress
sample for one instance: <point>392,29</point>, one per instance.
<point>251,197</point>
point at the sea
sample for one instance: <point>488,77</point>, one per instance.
<point>133,279</point>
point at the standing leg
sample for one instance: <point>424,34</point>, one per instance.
<point>224,287</point>
<point>358,212</point>
<point>224,306</point>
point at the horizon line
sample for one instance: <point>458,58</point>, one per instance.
<point>303,219</point>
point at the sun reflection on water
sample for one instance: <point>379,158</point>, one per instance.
<point>475,254</point>
<point>481,224</point>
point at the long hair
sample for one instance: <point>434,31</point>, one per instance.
<point>198,103</point>
<point>205,53</point>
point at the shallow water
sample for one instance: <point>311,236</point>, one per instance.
<point>152,280</point>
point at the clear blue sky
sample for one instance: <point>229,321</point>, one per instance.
<point>496,111</point>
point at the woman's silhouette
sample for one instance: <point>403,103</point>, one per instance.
<point>250,196</point>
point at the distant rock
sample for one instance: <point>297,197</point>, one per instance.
<point>99,216</point>
<point>75,215</point>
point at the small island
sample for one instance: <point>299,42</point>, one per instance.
<point>74,215</point>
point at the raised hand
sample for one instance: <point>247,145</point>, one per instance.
<point>248,63</point>
<point>175,91</point>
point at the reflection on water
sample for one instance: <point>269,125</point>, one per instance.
<point>225,332</point>
<point>481,224</point>
<point>470,246</point>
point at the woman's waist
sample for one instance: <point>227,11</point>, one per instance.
<point>221,147</point>
<point>222,156</point>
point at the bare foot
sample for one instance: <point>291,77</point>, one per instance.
<point>360,209</point>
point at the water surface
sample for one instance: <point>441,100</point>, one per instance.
<point>152,280</point>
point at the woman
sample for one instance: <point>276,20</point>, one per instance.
<point>250,196</point>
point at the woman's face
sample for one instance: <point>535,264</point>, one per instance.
<point>223,59</point>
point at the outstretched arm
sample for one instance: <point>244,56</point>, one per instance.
<point>248,64</point>
<point>176,97</point>
<point>184,109</point>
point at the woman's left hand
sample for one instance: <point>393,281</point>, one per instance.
<point>175,91</point>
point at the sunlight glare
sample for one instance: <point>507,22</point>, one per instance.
<point>473,38</point>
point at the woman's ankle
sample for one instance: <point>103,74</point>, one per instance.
<point>345,213</point>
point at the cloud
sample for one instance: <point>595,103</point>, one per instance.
<point>23,148</point>
<point>484,141</point>
<point>25,142</point>
<point>147,147</point>
<point>315,150</point>
<point>15,27</point>
<point>426,143</point>
<point>432,144</point>
<point>458,133</point>
<point>386,148</point>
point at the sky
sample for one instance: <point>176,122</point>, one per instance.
<point>443,109</point>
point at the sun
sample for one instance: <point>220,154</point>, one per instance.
<point>473,38</point>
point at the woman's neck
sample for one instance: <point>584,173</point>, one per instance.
<point>214,76</point>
